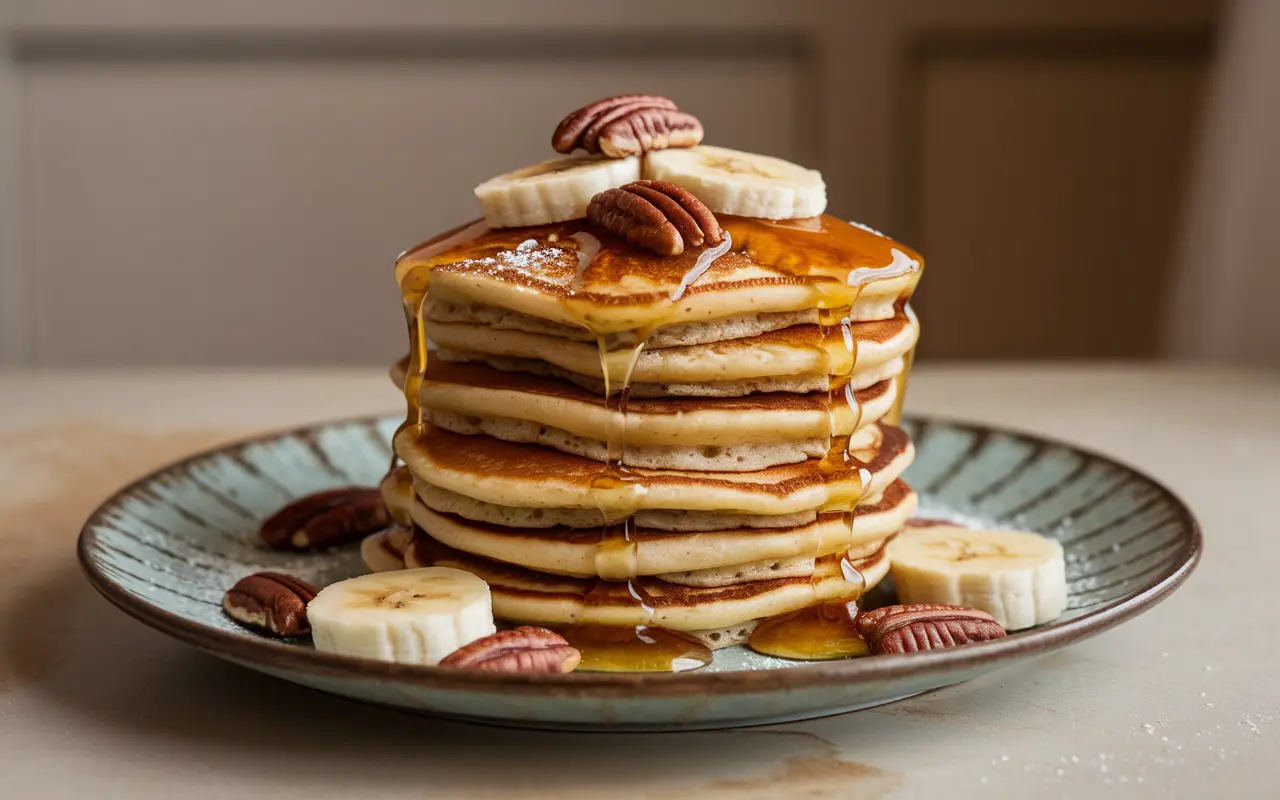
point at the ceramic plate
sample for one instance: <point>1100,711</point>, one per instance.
<point>166,548</point>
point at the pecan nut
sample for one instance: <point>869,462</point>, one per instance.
<point>627,125</point>
<point>326,519</point>
<point>925,626</point>
<point>271,602</point>
<point>656,215</point>
<point>523,649</point>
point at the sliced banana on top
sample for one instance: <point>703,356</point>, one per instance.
<point>553,191</point>
<point>744,184</point>
<point>413,616</point>
<point>1015,576</point>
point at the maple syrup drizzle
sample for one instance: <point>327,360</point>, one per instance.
<point>588,247</point>
<point>824,629</point>
<point>619,493</point>
<point>842,259</point>
<point>413,288</point>
<point>705,259</point>
<point>643,647</point>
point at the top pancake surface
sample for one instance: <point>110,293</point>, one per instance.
<point>577,273</point>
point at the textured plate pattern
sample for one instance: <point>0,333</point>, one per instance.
<point>1120,530</point>
<point>166,548</point>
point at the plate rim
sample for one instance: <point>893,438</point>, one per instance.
<point>248,647</point>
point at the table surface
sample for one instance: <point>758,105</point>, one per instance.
<point>1182,701</point>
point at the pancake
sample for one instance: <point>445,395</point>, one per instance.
<point>800,566</point>
<point>577,552</point>
<point>384,550</point>
<point>798,350</point>
<point>509,474</point>
<point>527,597</point>
<point>531,366</point>
<point>748,457</point>
<point>682,335</point>
<point>481,391</point>
<point>738,457</point>
<point>447,502</point>
<point>862,378</point>
<point>737,365</point>
<point>574,274</point>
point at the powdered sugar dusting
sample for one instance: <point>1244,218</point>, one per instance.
<point>527,258</point>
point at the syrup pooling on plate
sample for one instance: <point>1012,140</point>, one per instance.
<point>821,632</point>
<point>621,295</point>
<point>638,648</point>
<point>824,631</point>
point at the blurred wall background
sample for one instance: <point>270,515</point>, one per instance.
<point>189,183</point>
<point>1226,282</point>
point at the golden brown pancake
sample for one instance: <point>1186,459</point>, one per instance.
<point>525,596</point>
<point>577,552</point>
<point>742,457</point>
<point>508,474</point>
<point>682,335</point>
<point>575,274</point>
<point>799,350</point>
<point>797,566</point>
<point>482,391</point>
<point>400,489</point>
<point>732,508</point>
<point>863,378</point>
<point>502,411</point>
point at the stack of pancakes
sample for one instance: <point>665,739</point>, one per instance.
<point>696,443</point>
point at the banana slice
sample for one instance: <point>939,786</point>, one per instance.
<point>414,616</point>
<point>745,184</point>
<point>552,191</point>
<point>1017,577</point>
<point>384,551</point>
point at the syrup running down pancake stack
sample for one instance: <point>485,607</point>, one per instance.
<point>654,452</point>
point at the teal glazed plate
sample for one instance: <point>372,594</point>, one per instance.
<point>167,547</point>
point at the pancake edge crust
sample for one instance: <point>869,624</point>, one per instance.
<point>524,596</point>
<point>573,552</point>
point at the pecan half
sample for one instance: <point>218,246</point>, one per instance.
<point>656,215</point>
<point>627,125</point>
<point>271,602</point>
<point>523,649</point>
<point>326,519</point>
<point>925,626</point>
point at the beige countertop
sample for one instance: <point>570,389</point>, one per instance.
<point>1183,701</point>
